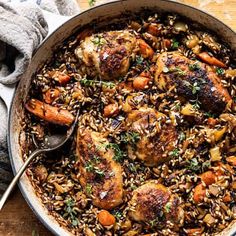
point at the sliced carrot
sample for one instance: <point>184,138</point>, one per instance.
<point>231,160</point>
<point>211,122</point>
<point>211,60</point>
<point>111,110</point>
<point>145,50</point>
<point>154,29</point>
<point>227,198</point>
<point>105,218</point>
<point>49,113</point>
<point>208,177</point>
<point>51,95</point>
<point>167,43</point>
<point>140,83</point>
<point>61,77</point>
<point>199,193</point>
<point>146,74</point>
<point>126,85</point>
<point>194,232</point>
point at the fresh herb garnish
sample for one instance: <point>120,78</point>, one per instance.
<point>118,154</point>
<point>176,69</point>
<point>99,172</point>
<point>91,2</point>
<point>130,137</point>
<point>180,71</point>
<point>196,104</point>
<point>89,189</point>
<point>209,114</point>
<point>194,66</point>
<point>182,136</point>
<point>174,153</point>
<point>139,60</point>
<point>195,88</point>
<point>193,164</point>
<point>206,165</point>
<point>87,82</point>
<point>175,44</point>
<point>98,40</point>
<point>89,166</point>
<point>118,214</point>
<point>220,71</point>
<point>70,211</point>
<point>168,207</point>
<point>132,167</point>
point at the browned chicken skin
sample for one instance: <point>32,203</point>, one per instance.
<point>109,52</point>
<point>99,173</point>
<point>157,139</point>
<point>154,204</point>
<point>193,80</point>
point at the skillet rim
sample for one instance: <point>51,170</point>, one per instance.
<point>9,134</point>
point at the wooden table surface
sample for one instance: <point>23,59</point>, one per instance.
<point>16,219</point>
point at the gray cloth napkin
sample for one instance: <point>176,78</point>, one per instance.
<point>22,28</point>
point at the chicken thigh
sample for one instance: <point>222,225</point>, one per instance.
<point>157,139</point>
<point>108,52</point>
<point>193,80</point>
<point>154,204</point>
<point>100,175</point>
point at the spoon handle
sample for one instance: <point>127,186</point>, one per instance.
<point>18,175</point>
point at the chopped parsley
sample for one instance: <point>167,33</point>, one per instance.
<point>175,44</point>
<point>220,71</point>
<point>193,164</point>
<point>88,82</point>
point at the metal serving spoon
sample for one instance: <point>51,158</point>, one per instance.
<point>50,143</point>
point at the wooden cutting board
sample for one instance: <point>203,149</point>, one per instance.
<point>17,219</point>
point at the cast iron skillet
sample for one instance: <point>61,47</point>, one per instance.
<point>110,10</point>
